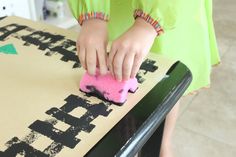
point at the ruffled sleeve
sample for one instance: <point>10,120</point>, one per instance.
<point>159,13</point>
<point>90,9</point>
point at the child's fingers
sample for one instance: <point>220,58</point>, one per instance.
<point>101,55</point>
<point>127,65</point>
<point>137,63</point>
<point>81,54</point>
<point>110,60</point>
<point>117,64</point>
<point>91,60</point>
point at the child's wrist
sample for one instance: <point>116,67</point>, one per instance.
<point>139,22</point>
<point>95,22</point>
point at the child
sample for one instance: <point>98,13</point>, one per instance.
<point>179,29</point>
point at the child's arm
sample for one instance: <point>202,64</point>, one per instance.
<point>92,40</point>
<point>129,49</point>
<point>91,45</point>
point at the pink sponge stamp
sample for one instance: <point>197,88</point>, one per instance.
<point>106,87</point>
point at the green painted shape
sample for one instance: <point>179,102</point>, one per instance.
<point>8,49</point>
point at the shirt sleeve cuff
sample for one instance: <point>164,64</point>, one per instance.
<point>150,20</point>
<point>93,15</point>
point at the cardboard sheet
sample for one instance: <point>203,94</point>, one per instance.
<point>42,110</point>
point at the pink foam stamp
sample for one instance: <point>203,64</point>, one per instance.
<point>106,87</point>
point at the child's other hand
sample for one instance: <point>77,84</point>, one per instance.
<point>129,50</point>
<point>91,45</point>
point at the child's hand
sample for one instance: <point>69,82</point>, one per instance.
<point>91,45</point>
<point>129,50</point>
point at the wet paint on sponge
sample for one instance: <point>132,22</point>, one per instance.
<point>107,88</point>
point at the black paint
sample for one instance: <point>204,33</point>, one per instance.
<point>31,137</point>
<point>60,138</point>
<point>70,120</point>
<point>17,147</point>
<point>96,93</point>
<point>147,66</point>
<point>9,30</point>
<point>44,40</point>
<point>53,43</point>
<point>55,134</point>
<point>68,50</point>
<point>139,78</point>
<point>53,149</point>
<point>74,101</point>
<point>1,18</point>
